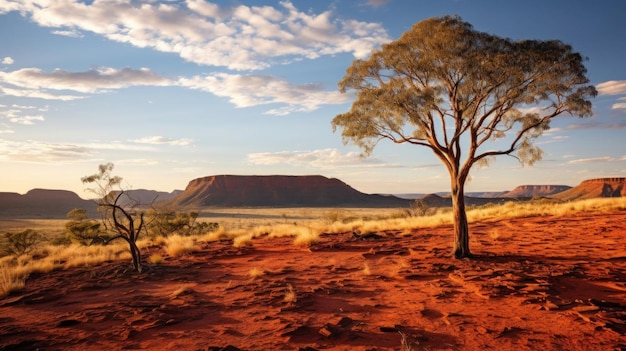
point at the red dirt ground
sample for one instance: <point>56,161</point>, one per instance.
<point>545,283</point>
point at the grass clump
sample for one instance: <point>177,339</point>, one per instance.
<point>177,245</point>
<point>11,280</point>
<point>255,272</point>
<point>155,259</point>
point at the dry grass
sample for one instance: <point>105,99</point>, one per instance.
<point>255,272</point>
<point>242,226</point>
<point>176,245</point>
<point>10,280</point>
<point>290,295</point>
<point>155,259</point>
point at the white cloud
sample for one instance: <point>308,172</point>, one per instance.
<point>28,120</point>
<point>240,37</point>
<point>30,81</point>
<point>323,158</point>
<point>20,114</point>
<point>7,61</point>
<point>619,105</point>
<point>253,90</point>
<point>159,140</point>
<point>5,129</point>
<point>68,33</point>
<point>612,87</point>
<point>42,152</point>
<point>591,160</point>
<point>241,90</point>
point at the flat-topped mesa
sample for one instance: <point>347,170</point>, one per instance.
<point>275,191</point>
<point>597,187</point>
<point>528,191</point>
<point>605,180</point>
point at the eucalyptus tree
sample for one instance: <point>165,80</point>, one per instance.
<point>454,90</point>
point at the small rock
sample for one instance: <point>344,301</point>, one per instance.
<point>326,331</point>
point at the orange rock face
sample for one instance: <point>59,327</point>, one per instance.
<point>600,187</point>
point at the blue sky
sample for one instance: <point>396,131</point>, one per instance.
<point>170,91</point>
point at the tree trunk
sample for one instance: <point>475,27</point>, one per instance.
<point>461,228</point>
<point>136,253</point>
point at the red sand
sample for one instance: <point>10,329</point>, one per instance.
<point>546,283</point>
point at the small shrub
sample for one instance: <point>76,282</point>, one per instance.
<point>83,230</point>
<point>61,241</point>
<point>21,242</point>
<point>167,222</point>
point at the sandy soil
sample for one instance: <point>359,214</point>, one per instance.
<point>539,283</point>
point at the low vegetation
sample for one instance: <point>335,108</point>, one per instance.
<point>23,255</point>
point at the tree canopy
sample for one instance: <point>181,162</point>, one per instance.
<point>452,89</point>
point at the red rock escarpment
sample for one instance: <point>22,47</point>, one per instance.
<point>275,190</point>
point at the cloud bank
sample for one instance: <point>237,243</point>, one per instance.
<point>238,38</point>
<point>322,158</point>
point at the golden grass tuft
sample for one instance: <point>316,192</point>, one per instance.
<point>243,241</point>
<point>366,270</point>
<point>255,272</point>
<point>10,280</point>
<point>155,259</point>
<point>306,237</point>
<point>177,245</point>
<point>290,295</point>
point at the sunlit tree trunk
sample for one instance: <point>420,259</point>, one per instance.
<point>461,228</point>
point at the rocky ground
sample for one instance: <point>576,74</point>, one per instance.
<point>537,283</point>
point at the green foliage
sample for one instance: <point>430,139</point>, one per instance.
<point>83,230</point>
<point>21,242</point>
<point>168,222</point>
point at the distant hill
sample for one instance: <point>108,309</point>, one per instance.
<point>485,194</point>
<point>143,197</point>
<point>275,191</point>
<point>42,203</point>
<point>434,200</point>
<point>592,188</point>
<point>529,191</point>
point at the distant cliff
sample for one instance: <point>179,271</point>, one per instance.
<point>529,191</point>
<point>275,191</point>
<point>592,188</point>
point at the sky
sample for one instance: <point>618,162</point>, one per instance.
<point>170,91</point>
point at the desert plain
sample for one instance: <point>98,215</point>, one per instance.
<point>541,282</point>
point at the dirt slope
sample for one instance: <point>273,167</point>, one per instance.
<point>539,283</point>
